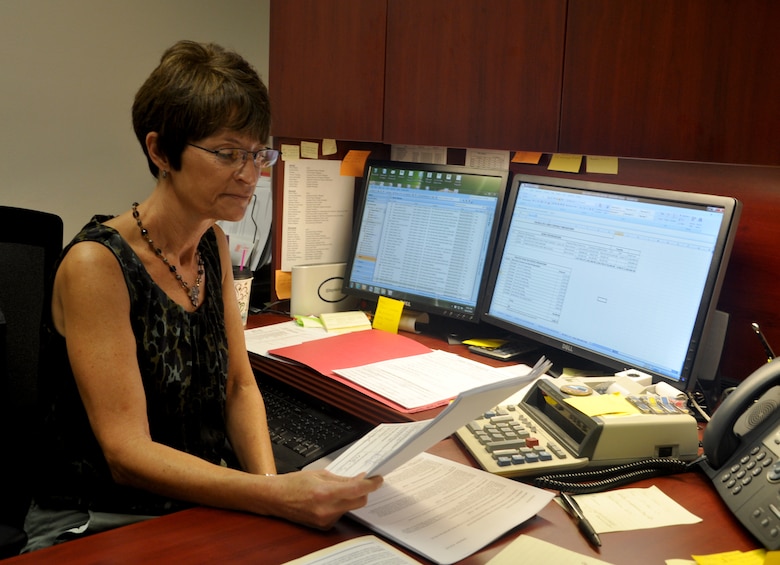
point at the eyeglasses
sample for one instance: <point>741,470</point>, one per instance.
<point>237,157</point>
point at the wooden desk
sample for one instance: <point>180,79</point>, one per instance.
<point>207,535</point>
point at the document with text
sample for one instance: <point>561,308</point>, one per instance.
<point>317,213</point>
<point>260,340</point>
<point>445,511</point>
<point>365,550</point>
<point>388,446</point>
<point>425,380</point>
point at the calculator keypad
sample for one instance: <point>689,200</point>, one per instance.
<point>508,442</point>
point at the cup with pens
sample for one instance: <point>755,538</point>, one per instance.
<point>242,279</point>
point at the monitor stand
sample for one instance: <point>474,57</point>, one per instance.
<point>454,331</point>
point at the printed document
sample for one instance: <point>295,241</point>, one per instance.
<point>445,511</point>
<point>388,446</point>
<point>365,550</point>
<point>260,340</point>
<point>422,380</point>
<point>317,216</point>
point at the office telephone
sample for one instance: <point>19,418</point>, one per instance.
<point>742,448</point>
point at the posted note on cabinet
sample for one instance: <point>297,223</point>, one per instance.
<point>317,217</point>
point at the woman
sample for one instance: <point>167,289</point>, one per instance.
<point>152,391</point>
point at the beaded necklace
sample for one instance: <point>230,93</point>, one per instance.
<point>194,291</point>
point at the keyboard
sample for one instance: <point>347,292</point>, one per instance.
<point>303,428</point>
<point>508,442</point>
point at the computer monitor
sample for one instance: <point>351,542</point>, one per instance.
<point>625,276</point>
<point>425,234</point>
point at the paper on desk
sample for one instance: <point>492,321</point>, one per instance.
<point>365,550</point>
<point>527,549</point>
<point>446,511</point>
<point>426,380</point>
<point>633,509</point>
<point>260,340</point>
<point>389,446</point>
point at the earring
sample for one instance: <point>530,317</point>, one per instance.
<point>165,174</point>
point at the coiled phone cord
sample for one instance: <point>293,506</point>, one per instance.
<point>597,480</point>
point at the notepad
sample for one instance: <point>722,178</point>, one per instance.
<point>343,322</point>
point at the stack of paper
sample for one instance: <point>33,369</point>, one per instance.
<point>343,322</point>
<point>446,511</point>
<point>393,369</point>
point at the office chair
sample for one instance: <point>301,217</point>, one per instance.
<point>30,244</point>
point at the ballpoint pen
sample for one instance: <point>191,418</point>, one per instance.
<point>582,522</point>
<point>767,349</point>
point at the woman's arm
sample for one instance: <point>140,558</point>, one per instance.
<point>247,425</point>
<point>91,308</point>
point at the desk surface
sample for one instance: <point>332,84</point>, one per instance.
<point>206,535</point>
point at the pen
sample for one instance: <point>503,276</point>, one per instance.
<point>582,522</point>
<point>768,350</point>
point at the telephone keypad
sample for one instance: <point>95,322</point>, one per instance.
<point>750,466</point>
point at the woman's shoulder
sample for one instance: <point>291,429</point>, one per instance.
<point>98,242</point>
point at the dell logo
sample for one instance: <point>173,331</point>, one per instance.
<point>567,347</point>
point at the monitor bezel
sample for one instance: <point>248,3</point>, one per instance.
<point>710,294</point>
<point>423,304</point>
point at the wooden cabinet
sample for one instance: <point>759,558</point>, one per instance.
<point>474,74</point>
<point>664,79</point>
<point>327,68</point>
<point>449,72</point>
<point>661,79</point>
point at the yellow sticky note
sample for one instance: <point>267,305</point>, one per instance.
<point>329,147</point>
<point>485,342</point>
<point>755,557</point>
<point>354,162</point>
<point>310,149</point>
<point>772,558</point>
<point>565,163</point>
<point>388,314</point>
<point>604,165</point>
<point>602,404</point>
<point>290,152</point>
<point>529,157</point>
<point>283,284</point>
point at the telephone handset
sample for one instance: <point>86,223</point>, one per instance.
<point>742,448</point>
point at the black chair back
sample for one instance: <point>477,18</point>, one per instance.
<point>30,244</point>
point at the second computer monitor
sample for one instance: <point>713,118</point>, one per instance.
<point>425,234</point>
<point>625,276</point>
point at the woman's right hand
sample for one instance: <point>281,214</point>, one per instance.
<point>318,498</point>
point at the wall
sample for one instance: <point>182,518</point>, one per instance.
<point>70,70</point>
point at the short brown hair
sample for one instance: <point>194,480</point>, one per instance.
<point>197,90</point>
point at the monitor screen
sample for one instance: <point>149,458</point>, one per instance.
<point>621,275</point>
<point>424,234</point>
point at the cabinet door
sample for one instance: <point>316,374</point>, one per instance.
<point>465,73</point>
<point>327,66</point>
<point>689,80</point>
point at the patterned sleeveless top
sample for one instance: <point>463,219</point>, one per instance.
<point>183,358</point>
